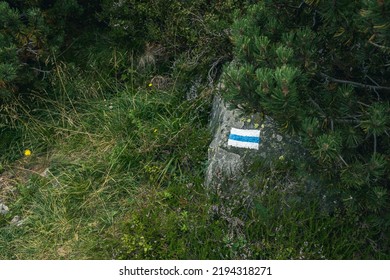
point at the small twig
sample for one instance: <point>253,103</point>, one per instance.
<point>39,70</point>
<point>212,72</point>
<point>355,84</point>
<point>379,46</point>
<point>363,104</point>
<point>347,121</point>
<point>372,80</point>
<point>318,107</point>
<point>30,50</point>
<point>346,164</point>
<point>71,44</point>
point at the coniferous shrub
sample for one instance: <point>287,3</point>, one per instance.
<point>32,34</point>
<point>321,69</point>
<point>194,31</point>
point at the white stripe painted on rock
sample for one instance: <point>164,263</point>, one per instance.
<point>244,138</point>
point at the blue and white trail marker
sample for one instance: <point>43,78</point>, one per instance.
<point>244,138</point>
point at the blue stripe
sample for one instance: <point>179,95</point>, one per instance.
<point>251,139</point>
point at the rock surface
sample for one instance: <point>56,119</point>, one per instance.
<point>3,209</point>
<point>17,221</point>
<point>230,163</point>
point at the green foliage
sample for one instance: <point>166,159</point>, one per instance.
<point>32,33</point>
<point>177,25</point>
<point>328,148</point>
<point>320,69</point>
<point>118,154</point>
<point>120,175</point>
<point>111,155</point>
<point>191,35</point>
<point>376,120</point>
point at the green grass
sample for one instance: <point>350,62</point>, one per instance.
<point>117,172</point>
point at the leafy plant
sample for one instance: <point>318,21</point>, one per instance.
<point>319,68</point>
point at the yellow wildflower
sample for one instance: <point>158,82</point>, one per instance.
<point>27,153</point>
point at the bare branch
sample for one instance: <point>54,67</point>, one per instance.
<point>212,71</point>
<point>39,70</point>
<point>354,84</point>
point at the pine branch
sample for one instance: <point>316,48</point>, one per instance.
<point>354,84</point>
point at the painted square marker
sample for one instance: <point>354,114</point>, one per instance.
<point>244,138</point>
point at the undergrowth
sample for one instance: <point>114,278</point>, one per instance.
<point>117,170</point>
